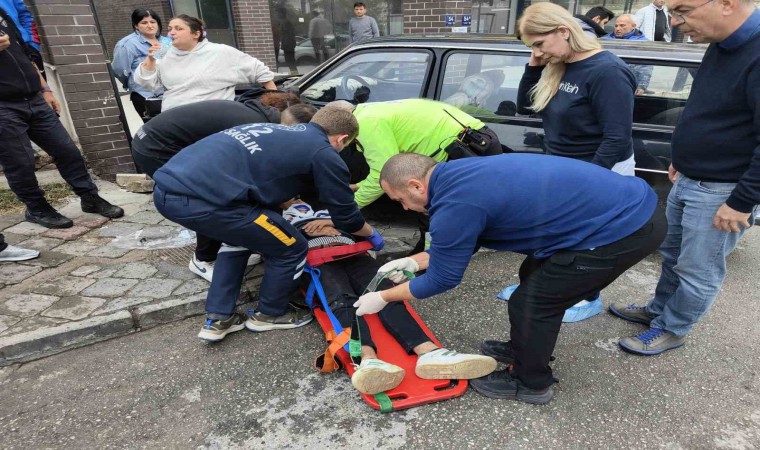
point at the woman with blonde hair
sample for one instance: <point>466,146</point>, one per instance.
<point>584,96</point>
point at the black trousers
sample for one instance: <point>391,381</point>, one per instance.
<point>320,49</point>
<point>205,248</point>
<point>551,285</point>
<point>290,60</point>
<point>345,280</point>
<point>3,245</point>
<point>33,119</point>
<point>138,101</point>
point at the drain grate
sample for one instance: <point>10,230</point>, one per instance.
<point>176,256</point>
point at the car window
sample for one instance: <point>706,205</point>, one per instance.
<point>661,93</point>
<point>482,83</point>
<point>372,77</point>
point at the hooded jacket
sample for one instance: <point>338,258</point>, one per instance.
<point>589,26</point>
<point>18,78</point>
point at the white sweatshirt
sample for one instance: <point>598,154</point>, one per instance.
<point>208,72</point>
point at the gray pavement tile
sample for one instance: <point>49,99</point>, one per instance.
<point>106,272</point>
<point>155,288</point>
<point>74,307</point>
<point>67,234</point>
<point>168,222</point>
<point>40,243</point>
<point>13,273</point>
<point>83,271</point>
<point>145,217</point>
<point>31,324</point>
<point>109,287</point>
<point>109,251</point>
<point>118,229</point>
<point>9,221</point>
<point>7,322</point>
<point>27,305</point>
<point>137,270</point>
<point>123,198</point>
<point>78,247</point>
<point>13,238</point>
<point>26,228</point>
<point>122,303</point>
<point>192,287</point>
<point>48,259</point>
<point>174,271</point>
<point>63,286</point>
<point>73,210</point>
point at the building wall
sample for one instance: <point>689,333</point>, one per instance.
<point>253,29</point>
<point>422,16</point>
<point>72,45</point>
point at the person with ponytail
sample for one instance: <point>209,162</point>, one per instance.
<point>196,69</point>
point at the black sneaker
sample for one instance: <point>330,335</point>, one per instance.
<point>48,217</point>
<point>500,351</point>
<point>500,384</point>
<point>93,203</point>
<point>216,330</point>
<point>293,318</point>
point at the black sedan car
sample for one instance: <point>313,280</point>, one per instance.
<point>480,74</point>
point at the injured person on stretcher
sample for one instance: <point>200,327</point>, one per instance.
<point>345,280</point>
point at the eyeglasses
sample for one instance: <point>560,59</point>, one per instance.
<point>682,16</point>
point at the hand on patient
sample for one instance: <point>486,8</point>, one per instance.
<point>370,303</point>
<point>326,230</point>
<point>396,269</point>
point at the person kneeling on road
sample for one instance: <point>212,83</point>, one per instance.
<point>344,281</point>
<point>228,186</point>
<point>581,229</point>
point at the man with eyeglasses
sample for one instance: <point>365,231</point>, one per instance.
<point>715,172</point>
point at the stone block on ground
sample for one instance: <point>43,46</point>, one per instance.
<point>26,228</point>
<point>78,248</point>
<point>31,324</point>
<point>155,288</point>
<point>11,220</point>
<point>119,229</point>
<point>34,344</point>
<point>13,273</point>
<point>83,271</point>
<point>40,243</point>
<point>110,251</point>
<point>154,233</point>
<point>109,287</point>
<point>122,303</point>
<point>192,287</point>
<point>74,307</point>
<point>91,221</point>
<point>136,270</point>
<point>142,187</point>
<point>174,271</point>
<point>170,310</point>
<point>145,217</point>
<point>63,286</point>
<point>122,179</point>
<point>48,259</point>
<point>67,234</point>
<point>27,305</point>
<point>7,322</point>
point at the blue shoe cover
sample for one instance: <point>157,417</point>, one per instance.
<point>507,292</point>
<point>583,310</point>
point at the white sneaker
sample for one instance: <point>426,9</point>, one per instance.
<point>204,269</point>
<point>445,364</point>
<point>254,259</point>
<point>12,253</point>
<point>374,376</point>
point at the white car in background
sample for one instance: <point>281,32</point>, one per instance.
<point>305,50</point>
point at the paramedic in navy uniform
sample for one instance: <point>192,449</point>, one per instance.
<point>229,186</point>
<point>580,230</point>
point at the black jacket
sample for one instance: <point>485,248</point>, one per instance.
<point>595,27</point>
<point>18,77</point>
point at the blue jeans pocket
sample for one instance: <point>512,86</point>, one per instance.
<point>716,188</point>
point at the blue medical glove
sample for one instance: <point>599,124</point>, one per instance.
<point>376,240</point>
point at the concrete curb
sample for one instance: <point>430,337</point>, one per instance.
<point>36,344</point>
<point>149,316</point>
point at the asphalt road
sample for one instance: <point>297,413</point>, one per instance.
<point>163,388</point>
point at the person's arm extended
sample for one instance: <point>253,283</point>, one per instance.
<point>380,147</point>
<point>146,74</point>
<point>611,96</point>
<point>47,93</point>
<point>530,78</point>
<point>254,71</point>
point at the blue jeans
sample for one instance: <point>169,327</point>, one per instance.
<point>694,255</point>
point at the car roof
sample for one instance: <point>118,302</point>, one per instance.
<point>663,51</point>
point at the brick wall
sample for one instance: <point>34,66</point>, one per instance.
<point>71,43</point>
<point>253,29</point>
<point>114,17</point>
<point>422,16</point>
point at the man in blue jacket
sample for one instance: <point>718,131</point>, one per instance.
<point>580,225</point>
<point>626,28</point>
<point>229,186</point>
<point>20,15</point>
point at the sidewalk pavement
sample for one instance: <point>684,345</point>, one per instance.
<point>102,279</point>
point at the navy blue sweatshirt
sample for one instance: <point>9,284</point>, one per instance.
<point>18,78</point>
<point>264,164</point>
<point>591,116</point>
<point>525,203</point>
<point>718,135</point>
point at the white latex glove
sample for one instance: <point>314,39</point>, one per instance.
<point>396,268</point>
<point>370,303</point>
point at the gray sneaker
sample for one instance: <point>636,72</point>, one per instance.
<point>631,313</point>
<point>12,253</point>
<point>652,342</point>
<point>293,318</point>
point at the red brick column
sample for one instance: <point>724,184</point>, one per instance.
<point>253,28</point>
<point>421,16</point>
<point>71,43</point>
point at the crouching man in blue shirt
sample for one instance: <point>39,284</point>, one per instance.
<point>580,225</point>
<point>229,186</point>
